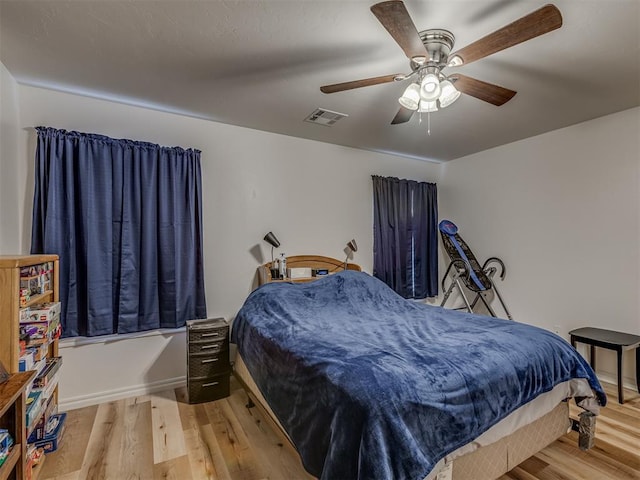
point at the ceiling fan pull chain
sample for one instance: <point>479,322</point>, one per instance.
<point>429,123</point>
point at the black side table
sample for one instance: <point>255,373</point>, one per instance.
<point>618,341</point>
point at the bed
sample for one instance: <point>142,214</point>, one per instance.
<point>366,384</point>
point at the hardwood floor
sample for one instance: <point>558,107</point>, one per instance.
<point>160,436</point>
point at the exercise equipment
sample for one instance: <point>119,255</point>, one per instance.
<point>465,272</point>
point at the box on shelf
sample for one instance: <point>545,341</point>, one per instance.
<point>35,456</point>
<point>29,271</point>
<point>41,332</point>
<point>37,332</point>
<point>47,392</point>
<point>6,441</point>
<point>25,296</point>
<point>39,366</point>
<point>32,284</point>
<point>24,314</point>
<point>46,376</point>
<point>26,361</point>
<point>49,388</point>
<point>40,429</point>
<point>39,351</point>
<point>36,278</point>
<point>53,435</point>
<point>43,312</point>
<point>34,408</point>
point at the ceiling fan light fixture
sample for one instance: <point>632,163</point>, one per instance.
<point>411,97</point>
<point>430,88</point>
<point>448,94</point>
<point>428,106</point>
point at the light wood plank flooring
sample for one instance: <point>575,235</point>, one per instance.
<point>161,436</point>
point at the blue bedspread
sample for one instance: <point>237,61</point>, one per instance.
<point>369,385</point>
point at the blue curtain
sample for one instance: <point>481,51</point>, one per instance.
<point>405,236</point>
<point>125,217</point>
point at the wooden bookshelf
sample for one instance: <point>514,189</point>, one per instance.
<point>10,266</point>
<point>12,417</point>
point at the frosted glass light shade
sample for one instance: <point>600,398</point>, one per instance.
<point>430,88</point>
<point>411,97</point>
<point>449,94</point>
<point>428,106</point>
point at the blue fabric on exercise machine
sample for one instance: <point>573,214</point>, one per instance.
<point>450,229</point>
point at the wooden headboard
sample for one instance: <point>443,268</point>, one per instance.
<point>305,261</point>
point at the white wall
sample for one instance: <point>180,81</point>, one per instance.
<point>563,211</point>
<point>10,214</point>
<point>314,196</point>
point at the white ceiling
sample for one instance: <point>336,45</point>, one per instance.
<point>260,63</point>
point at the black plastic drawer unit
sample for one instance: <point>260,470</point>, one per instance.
<point>208,367</point>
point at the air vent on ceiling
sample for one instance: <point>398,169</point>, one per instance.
<point>325,117</point>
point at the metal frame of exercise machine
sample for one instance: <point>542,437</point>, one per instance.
<point>465,271</point>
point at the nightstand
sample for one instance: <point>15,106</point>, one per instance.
<point>208,367</point>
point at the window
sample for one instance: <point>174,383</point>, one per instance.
<point>405,240</point>
<point>125,218</point>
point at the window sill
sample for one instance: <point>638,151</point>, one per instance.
<point>104,339</point>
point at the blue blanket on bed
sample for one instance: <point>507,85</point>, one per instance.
<point>369,385</point>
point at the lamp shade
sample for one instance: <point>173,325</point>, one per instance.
<point>411,97</point>
<point>430,88</point>
<point>271,239</point>
<point>428,106</point>
<point>352,246</point>
<point>449,94</point>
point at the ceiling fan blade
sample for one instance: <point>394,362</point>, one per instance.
<point>403,116</point>
<point>482,90</point>
<point>394,17</point>
<point>339,87</point>
<point>537,23</point>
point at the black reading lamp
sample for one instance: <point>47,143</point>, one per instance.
<point>271,239</point>
<point>352,246</point>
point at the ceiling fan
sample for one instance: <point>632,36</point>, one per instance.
<point>429,53</point>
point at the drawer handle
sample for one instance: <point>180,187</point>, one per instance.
<point>215,334</point>
<point>212,384</point>
<point>209,360</point>
<point>210,346</point>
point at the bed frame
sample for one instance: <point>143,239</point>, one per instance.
<point>484,463</point>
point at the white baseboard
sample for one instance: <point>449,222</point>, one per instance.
<point>96,398</point>
<point>611,377</point>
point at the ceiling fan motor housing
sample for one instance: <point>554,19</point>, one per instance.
<point>438,43</point>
